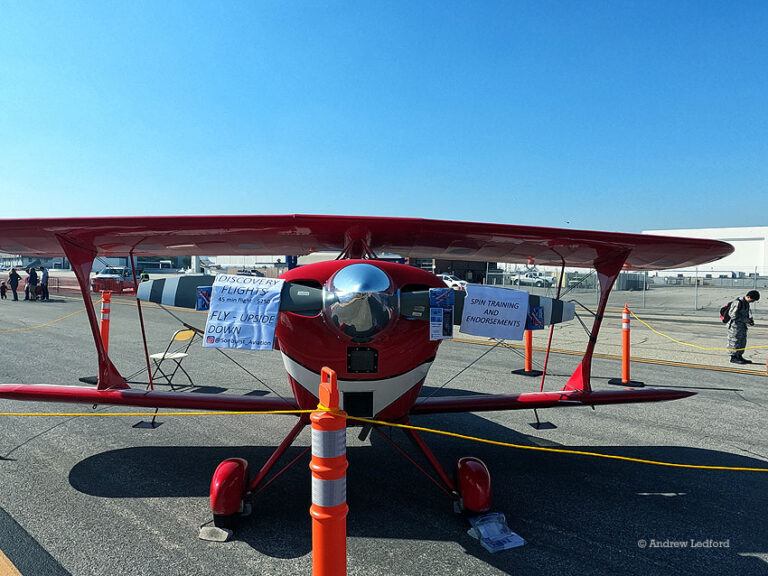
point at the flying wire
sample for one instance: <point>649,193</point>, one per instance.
<point>235,362</point>
<point>460,372</point>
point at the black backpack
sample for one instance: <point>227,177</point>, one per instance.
<point>724,312</point>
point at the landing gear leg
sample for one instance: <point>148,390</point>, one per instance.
<point>231,491</point>
<point>472,487</point>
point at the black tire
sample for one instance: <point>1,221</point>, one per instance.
<point>225,520</point>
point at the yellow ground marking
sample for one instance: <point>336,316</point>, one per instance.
<point>42,325</point>
<point>6,566</point>
<point>119,301</point>
<point>694,345</point>
<point>617,357</point>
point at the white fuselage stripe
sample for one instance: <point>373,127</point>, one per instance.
<point>385,391</point>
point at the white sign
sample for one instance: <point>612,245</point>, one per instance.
<point>494,312</point>
<point>243,312</point>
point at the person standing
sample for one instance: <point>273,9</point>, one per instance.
<point>13,282</point>
<point>33,283</point>
<point>26,285</point>
<point>44,296</point>
<point>740,316</point>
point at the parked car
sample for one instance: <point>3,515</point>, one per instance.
<point>578,281</point>
<point>114,278</point>
<point>250,272</point>
<point>453,281</point>
<point>532,279</point>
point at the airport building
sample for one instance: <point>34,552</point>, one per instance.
<point>750,257</point>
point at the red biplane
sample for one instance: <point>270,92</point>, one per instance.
<point>326,315</point>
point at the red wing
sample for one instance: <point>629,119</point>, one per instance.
<point>302,234</point>
<point>227,402</point>
<point>142,398</point>
<point>488,402</point>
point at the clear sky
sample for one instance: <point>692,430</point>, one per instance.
<point>609,115</point>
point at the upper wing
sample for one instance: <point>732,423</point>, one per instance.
<point>303,234</point>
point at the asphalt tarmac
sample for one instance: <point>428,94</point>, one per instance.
<point>94,495</point>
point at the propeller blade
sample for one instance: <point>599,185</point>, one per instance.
<point>415,305</point>
<point>181,292</point>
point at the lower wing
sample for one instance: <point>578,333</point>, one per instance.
<point>142,398</point>
<point>239,403</point>
<point>562,398</point>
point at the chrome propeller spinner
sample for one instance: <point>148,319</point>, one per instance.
<point>360,302</point>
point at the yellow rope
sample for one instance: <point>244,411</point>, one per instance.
<point>556,450</point>
<point>221,413</point>
<point>693,345</point>
<point>404,426</point>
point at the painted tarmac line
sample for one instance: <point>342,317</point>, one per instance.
<point>6,566</point>
<point>21,554</point>
<point>754,372</point>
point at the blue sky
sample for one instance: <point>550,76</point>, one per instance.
<point>609,115</point>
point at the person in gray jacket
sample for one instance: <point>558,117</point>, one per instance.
<point>740,316</point>
<point>45,296</point>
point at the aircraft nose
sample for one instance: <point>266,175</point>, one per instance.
<point>360,278</point>
<point>360,302</point>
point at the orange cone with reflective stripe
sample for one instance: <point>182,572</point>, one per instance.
<point>329,481</point>
<point>528,370</point>
<point>625,357</point>
<point>529,350</point>
<point>625,345</point>
<point>106,299</point>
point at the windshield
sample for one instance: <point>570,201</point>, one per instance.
<point>114,271</point>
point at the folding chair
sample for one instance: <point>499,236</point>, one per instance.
<point>179,337</point>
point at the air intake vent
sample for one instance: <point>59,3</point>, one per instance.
<point>361,360</point>
<point>358,404</point>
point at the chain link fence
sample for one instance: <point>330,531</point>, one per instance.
<point>690,291</point>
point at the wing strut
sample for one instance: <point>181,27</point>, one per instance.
<point>607,269</point>
<point>357,245</point>
<point>141,322</point>
<point>552,329</point>
<point>81,258</point>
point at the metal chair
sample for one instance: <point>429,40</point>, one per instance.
<point>179,337</point>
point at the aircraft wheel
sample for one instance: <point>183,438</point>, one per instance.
<point>474,484</point>
<point>228,486</point>
<point>225,521</point>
